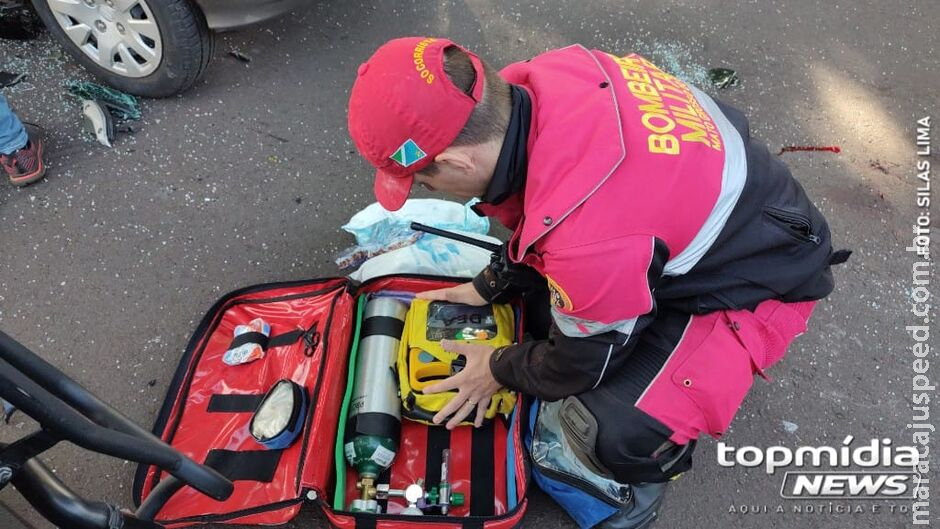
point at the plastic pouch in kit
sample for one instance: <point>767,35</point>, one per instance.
<point>553,455</point>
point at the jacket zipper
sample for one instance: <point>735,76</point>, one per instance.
<point>583,486</point>
<point>795,223</point>
<point>429,519</point>
<point>316,390</point>
<point>210,518</point>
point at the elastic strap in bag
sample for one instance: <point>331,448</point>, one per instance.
<point>266,342</point>
<point>482,472</point>
<point>366,522</point>
<point>438,440</point>
<point>385,478</point>
<point>383,326</point>
<point>249,465</point>
<point>234,403</point>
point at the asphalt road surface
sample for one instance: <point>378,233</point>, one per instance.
<point>107,266</point>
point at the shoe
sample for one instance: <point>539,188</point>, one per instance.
<point>25,166</point>
<point>642,511</point>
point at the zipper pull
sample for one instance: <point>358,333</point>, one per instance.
<point>311,340</point>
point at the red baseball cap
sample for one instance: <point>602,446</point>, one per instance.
<point>404,111</point>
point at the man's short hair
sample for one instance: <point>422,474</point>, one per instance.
<point>490,117</point>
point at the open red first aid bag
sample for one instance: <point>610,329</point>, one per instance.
<point>267,394</point>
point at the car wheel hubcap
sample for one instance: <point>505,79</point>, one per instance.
<point>122,36</point>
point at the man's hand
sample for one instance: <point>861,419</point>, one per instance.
<point>475,385</point>
<point>465,293</point>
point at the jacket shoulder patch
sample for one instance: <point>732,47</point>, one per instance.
<point>559,298</point>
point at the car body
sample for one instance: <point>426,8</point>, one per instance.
<point>224,15</point>
<point>153,48</point>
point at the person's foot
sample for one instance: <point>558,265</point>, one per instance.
<point>25,166</point>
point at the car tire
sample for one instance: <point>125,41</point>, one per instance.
<point>185,45</point>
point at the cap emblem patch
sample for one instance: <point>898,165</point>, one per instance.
<point>409,153</point>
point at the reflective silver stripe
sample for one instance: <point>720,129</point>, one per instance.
<point>577,328</point>
<point>733,177</point>
<point>610,351</point>
<point>573,327</point>
<point>661,369</point>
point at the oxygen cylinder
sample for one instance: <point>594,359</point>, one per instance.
<point>374,425</point>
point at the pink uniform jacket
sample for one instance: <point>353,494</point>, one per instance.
<point>642,190</point>
<point>622,153</point>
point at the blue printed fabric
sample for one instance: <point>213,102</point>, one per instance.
<point>12,134</point>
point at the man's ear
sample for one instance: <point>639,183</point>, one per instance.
<point>459,158</point>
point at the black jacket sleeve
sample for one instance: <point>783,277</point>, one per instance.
<point>561,366</point>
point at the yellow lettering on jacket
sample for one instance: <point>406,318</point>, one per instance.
<point>663,144</point>
<point>682,121</point>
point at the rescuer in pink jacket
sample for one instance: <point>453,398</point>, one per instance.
<point>676,256</point>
